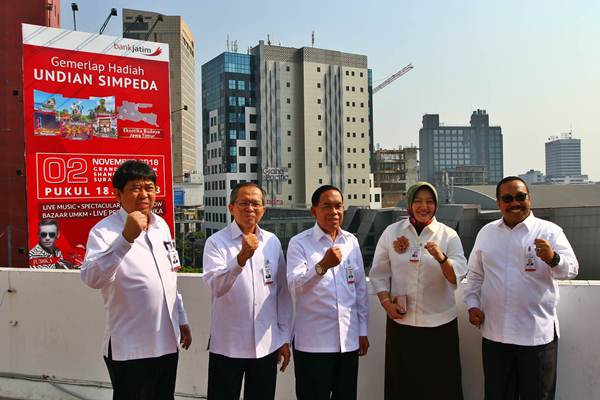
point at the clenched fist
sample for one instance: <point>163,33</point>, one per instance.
<point>332,257</point>
<point>135,223</point>
<point>401,244</point>
<point>249,246</point>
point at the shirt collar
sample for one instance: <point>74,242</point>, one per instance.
<point>432,225</point>
<point>319,233</point>
<point>236,232</point>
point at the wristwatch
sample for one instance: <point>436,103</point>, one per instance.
<point>320,269</point>
<point>555,260</point>
<point>444,259</point>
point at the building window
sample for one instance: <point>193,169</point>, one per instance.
<point>253,151</point>
<point>362,150</point>
<point>232,101</point>
<point>233,151</point>
<point>348,150</point>
<point>289,165</point>
<point>361,74</point>
<point>289,149</point>
<point>290,198</point>
<point>287,84</point>
<point>242,151</point>
<point>253,167</point>
<point>320,165</point>
<point>347,88</point>
<point>287,68</point>
<point>289,181</point>
<point>252,133</point>
<point>355,196</point>
<point>347,72</point>
<point>364,181</point>
<point>353,104</point>
<point>233,167</point>
<point>349,197</point>
<point>318,69</point>
<point>362,90</point>
<point>347,134</point>
<point>232,84</point>
<point>347,104</point>
<point>319,117</point>
<point>349,181</point>
<point>362,105</point>
<point>289,116</point>
<point>241,101</point>
<point>349,165</point>
<point>377,198</point>
<point>318,101</point>
<point>289,133</point>
<point>353,88</point>
<point>318,85</point>
<point>320,180</point>
<point>353,134</point>
<point>242,167</point>
<point>241,85</point>
<point>288,100</point>
<point>362,120</point>
<point>352,73</point>
<point>320,133</point>
<point>362,135</point>
<point>232,134</point>
<point>354,149</point>
<point>252,118</point>
<point>363,166</point>
<point>353,119</point>
<point>320,149</point>
<point>347,119</point>
<point>364,196</point>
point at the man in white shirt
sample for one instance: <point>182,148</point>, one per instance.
<point>512,295</point>
<point>251,305</point>
<point>327,280</point>
<point>131,257</point>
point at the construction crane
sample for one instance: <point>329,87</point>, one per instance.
<point>392,78</point>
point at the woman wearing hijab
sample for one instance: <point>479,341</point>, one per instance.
<point>416,266</point>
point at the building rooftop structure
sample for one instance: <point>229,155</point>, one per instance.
<point>52,325</point>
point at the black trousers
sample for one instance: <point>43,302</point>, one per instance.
<point>225,377</point>
<point>144,378</point>
<point>515,372</point>
<point>325,376</point>
<point>422,363</point>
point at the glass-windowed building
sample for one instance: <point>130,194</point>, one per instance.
<point>228,132</point>
<point>447,150</point>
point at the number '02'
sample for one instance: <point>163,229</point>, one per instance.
<point>57,170</point>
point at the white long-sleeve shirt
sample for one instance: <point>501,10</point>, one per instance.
<point>519,305</point>
<point>332,311</point>
<point>430,297</point>
<point>250,317</point>
<point>138,285</point>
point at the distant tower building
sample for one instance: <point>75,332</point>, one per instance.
<point>533,177</point>
<point>290,119</point>
<point>175,32</point>
<point>563,160</point>
<point>395,170</point>
<point>468,155</point>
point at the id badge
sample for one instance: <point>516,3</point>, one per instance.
<point>267,273</point>
<point>350,274</point>
<point>530,259</point>
<point>415,254</point>
<point>173,256</point>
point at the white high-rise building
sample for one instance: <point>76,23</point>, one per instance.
<point>290,119</point>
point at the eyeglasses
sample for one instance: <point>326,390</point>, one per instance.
<point>509,198</point>
<point>44,234</point>
<point>245,204</point>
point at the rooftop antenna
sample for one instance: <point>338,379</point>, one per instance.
<point>112,13</point>
<point>228,42</point>
<point>268,39</point>
<point>234,46</point>
<point>313,38</point>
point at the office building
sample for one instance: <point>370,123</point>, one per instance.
<point>290,119</point>
<point>395,170</point>
<point>146,25</point>
<point>13,214</point>
<point>447,150</point>
<point>563,160</point>
<point>533,177</point>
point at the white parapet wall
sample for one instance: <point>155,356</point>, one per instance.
<point>51,328</point>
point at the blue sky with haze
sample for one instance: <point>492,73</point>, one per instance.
<point>532,65</point>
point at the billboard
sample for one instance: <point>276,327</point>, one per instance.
<point>90,102</point>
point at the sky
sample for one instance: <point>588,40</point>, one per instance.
<point>532,65</point>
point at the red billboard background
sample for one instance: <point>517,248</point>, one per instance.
<point>85,113</point>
